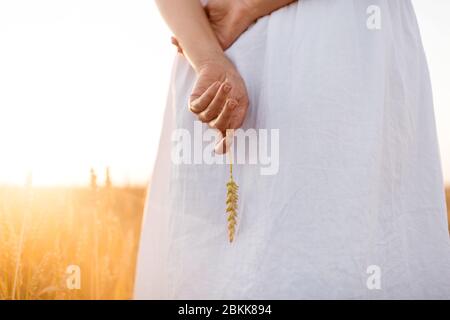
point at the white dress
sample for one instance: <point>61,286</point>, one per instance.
<point>356,209</point>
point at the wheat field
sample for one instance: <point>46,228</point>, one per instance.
<point>44,231</point>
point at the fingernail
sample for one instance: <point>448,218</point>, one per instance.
<point>219,148</point>
<point>227,88</point>
<point>228,142</point>
<point>232,104</point>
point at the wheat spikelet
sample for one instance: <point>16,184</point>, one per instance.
<point>231,203</point>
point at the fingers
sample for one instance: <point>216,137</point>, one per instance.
<point>225,142</point>
<point>198,104</point>
<point>217,104</point>
<point>220,147</point>
<point>222,122</point>
<point>238,116</point>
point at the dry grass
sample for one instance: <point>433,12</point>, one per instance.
<point>447,195</point>
<point>44,230</point>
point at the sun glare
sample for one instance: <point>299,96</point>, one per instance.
<point>83,84</point>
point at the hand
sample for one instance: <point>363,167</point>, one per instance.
<point>220,98</point>
<point>229,19</point>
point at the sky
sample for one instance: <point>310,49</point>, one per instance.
<point>83,85</point>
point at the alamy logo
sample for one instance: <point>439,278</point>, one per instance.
<point>374,17</point>
<point>374,280</point>
<point>73,279</point>
<point>255,147</point>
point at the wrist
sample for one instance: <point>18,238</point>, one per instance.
<point>200,54</point>
<point>249,10</point>
<point>217,58</point>
<point>259,8</point>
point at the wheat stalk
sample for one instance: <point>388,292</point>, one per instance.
<point>21,238</point>
<point>232,204</point>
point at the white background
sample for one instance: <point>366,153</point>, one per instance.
<point>83,84</point>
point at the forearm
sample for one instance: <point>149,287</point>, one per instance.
<point>188,21</point>
<point>261,8</point>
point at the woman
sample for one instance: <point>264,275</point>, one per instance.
<point>356,208</point>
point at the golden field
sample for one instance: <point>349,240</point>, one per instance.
<point>43,231</point>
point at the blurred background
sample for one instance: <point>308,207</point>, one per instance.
<point>82,93</point>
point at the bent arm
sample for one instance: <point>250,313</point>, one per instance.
<point>188,21</point>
